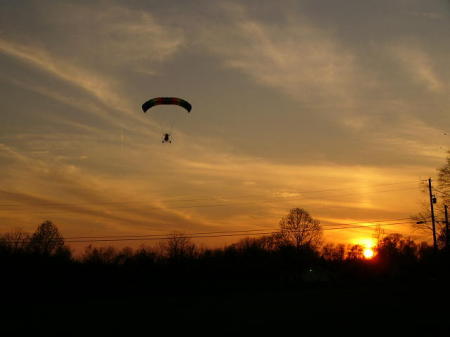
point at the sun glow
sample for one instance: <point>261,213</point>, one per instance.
<point>368,253</point>
<point>367,245</point>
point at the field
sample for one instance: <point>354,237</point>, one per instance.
<point>395,308</point>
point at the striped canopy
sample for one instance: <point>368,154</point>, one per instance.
<point>166,100</point>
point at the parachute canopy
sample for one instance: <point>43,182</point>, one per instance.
<point>166,100</point>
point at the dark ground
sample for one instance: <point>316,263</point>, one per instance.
<point>420,308</point>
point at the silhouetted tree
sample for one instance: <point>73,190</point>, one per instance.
<point>99,255</point>
<point>444,180</point>
<point>355,252</point>
<point>47,240</point>
<point>422,220</point>
<point>124,256</point>
<point>441,237</point>
<point>424,251</point>
<point>275,241</point>
<point>397,255</point>
<point>378,233</point>
<point>390,245</point>
<point>299,229</point>
<point>178,246</point>
<point>333,252</point>
<point>144,256</point>
<point>444,197</point>
<point>258,246</point>
<point>14,242</point>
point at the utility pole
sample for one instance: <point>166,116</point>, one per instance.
<point>433,220</point>
<point>447,238</point>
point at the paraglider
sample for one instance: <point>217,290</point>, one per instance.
<point>166,138</point>
<point>167,101</point>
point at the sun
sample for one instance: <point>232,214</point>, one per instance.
<point>368,253</point>
<point>367,244</point>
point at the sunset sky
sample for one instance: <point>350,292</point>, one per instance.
<point>337,107</point>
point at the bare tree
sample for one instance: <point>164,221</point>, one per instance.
<point>15,241</point>
<point>355,252</point>
<point>444,181</point>
<point>300,229</point>
<point>333,252</point>
<point>378,233</point>
<point>178,246</point>
<point>422,220</point>
<point>46,240</point>
<point>99,255</point>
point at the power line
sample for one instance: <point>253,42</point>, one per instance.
<point>161,235</point>
<point>188,236</point>
<point>204,235</point>
<point>218,233</point>
<point>229,232</point>
<point>376,220</point>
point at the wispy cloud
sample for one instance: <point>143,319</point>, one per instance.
<point>58,188</point>
<point>298,57</point>
<point>119,39</point>
<point>44,61</point>
<point>419,64</point>
<point>138,200</point>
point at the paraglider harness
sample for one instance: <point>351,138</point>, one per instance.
<point>166,138</point>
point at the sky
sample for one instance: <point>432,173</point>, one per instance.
<point>340,108</point>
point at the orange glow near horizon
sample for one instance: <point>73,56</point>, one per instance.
<point>367,244</point>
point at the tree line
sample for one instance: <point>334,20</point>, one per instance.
<point>294,256</point>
